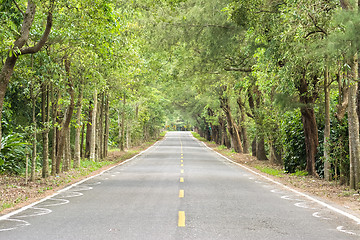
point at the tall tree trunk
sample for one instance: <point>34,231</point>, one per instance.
<point>107,126</point>
<point>224,136</point>
<point>307,98</point>
<point>253,147</point>
<point>275,155</point>
<point>243,130</point>
<point>311,138</point>
<point>34,153</point>
<point>54,129</point>
<point>327,164</point>
<point>78,128</point>
<point>122,138</point>
<point>19,49</point>
<point>260,149</point>
<point>67,154</point>
<point>82,154</point>
<point>67,117</point>
<point>232,127</point>
<point>93,129</point>
<point>45,133</point>
<point>127,135</point>
<point>101,126</point>
<point>89,131</point>
<point>353,122</point>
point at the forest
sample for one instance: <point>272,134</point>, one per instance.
<point>277,79</point>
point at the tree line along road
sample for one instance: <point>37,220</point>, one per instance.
<point>177,189</point>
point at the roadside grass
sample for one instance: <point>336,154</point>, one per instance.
<point>300,173</point>
<point>271,171</point>
<point>221,147</point>
<point>197,136</point>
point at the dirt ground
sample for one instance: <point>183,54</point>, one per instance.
<point>14,193</point>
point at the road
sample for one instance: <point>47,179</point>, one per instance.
<point>177,189</point>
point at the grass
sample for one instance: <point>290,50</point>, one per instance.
<point>221,147</point>
<point>271,171</point>
<point>299,173</point>
<point>6,205</point>
<point>197,136</point>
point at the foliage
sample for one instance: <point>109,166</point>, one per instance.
<point>293,142</point>
<point>13,154</point>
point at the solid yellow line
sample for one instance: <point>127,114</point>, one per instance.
<point>181,193</point>
<point>181,179</point>
<point>181,222</point>
<point>182,171</point>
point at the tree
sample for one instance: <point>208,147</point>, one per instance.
<point>18,48</point>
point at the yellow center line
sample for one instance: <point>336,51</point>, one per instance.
<point>181,222</point>
<point>182,157</point>
<point>181,193</point>
<point>181,179</point>
<point>182,165</point>
<point>182,160</point>
<point>182,171</point>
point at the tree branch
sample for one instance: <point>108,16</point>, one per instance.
<point>238,69</point>
<point>17,6</point>
<point>43,38</point>
<point>27,23</point>
<point>313,32</point>
<point>316,25</point>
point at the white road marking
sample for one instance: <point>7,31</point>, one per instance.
<point>41,211</point>
<point>71,194</point>
<point>24,223</point>
<point>339,211</point>
<point>316,214</point>
<point>61,202</point>
<point>303,205</point>
<point>291,199</point>
<point>7,217</point>
<point>341,229</point>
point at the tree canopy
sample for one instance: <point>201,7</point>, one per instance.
<point>276,79</point>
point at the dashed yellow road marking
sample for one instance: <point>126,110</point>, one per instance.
<point>181,193</point>
<point>181,222</point>
<point>181,179</point>
<point>182,165</point>
<point>182,160</point>
<point>182,171</point>
<point>182,157</point>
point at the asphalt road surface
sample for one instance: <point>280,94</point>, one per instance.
<point>178,189</point>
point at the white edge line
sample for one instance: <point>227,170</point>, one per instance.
<point>346,214</point>
<point>6,216</point>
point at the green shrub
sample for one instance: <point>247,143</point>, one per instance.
<point>13,153</point>
<point>293,141</point>
<point>221,147</point>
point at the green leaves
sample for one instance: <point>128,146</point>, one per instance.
<point>12,154</point>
